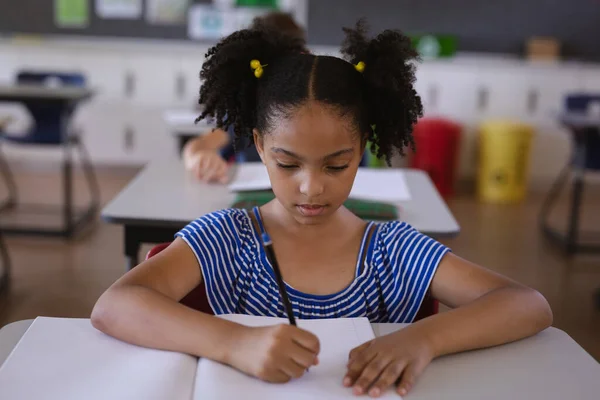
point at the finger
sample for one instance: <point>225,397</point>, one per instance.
<point>409,377</point>
<point>303,357</point>
<point>225,175</point>
<point>278,376</point>
<point>307,340</point>
<point>370,373</point>
<point>388,377</point>
<point>358,349</point>
<point>292,369</point>
<point>212,175</point>
<point>222,169</point>
<point>357,365</point>
<point>214,170</point>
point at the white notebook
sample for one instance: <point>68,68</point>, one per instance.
<point>369,184</point>
<point>68,359</point>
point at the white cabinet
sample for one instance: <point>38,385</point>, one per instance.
<point>448,90</point>
<point>188,76</point>
<point>105,72</point>
<point>151,79</point>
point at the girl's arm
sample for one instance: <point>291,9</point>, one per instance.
<point>142,307</point>
<point>489,310</point>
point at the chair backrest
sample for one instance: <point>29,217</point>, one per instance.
<point>198,300</point>
<point>587,103</point>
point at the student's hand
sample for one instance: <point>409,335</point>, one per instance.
<point>398,358</point>
<point>209,166</point>
<point>275,354</point>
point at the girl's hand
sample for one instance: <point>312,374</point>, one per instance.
<point>275,354</point>
<point>399,358</point>
<point>209,166</point>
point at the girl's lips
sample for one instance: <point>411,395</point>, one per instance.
<point>310,210</point>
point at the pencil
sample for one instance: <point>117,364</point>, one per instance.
<point>283,293</point>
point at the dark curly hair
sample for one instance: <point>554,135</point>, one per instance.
<point>381,102</point>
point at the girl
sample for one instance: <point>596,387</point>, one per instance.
<point>310,117</point>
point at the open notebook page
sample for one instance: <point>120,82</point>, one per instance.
<point>68,359</point>
<point>337,337</point>
<point>370,184</point>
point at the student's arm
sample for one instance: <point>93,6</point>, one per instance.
<point>201,156</point>
<point>488,310</point>
<point>143,308</point>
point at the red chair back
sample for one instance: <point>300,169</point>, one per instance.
<point>198,300</point>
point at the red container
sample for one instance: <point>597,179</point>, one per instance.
<point>437,141</point>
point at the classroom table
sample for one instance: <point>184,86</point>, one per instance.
<point>163,198</point>
<point>547,366</point>
<point>22,93</point>
<point>182,126</point>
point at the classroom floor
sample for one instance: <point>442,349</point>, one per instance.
<point>54,277</point>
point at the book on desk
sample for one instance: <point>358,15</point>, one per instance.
<point>68,359</point>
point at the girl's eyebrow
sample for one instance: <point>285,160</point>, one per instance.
<point>298,157</point>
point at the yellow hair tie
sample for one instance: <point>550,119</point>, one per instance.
<point>257,67</point>
<point>360,67</point>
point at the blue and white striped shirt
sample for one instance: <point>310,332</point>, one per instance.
<point>390,286</point>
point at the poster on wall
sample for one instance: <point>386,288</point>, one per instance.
<point>71,13</point>
<point>167,12</point>
<point>208,22</point>
<point>119,9</point>
<point>222,17</point>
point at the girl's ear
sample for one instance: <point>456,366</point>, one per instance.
<point>258,143</point>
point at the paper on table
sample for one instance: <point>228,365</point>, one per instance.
<point>250,176</point>
<point>380,185</point>
<point>369,184</point>
<point>68,359</point>
<point>337,337</point>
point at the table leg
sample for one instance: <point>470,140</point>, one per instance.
<point>132,247</point>
<point>578,170</point>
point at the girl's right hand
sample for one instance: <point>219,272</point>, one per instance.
<point>209,166</point>
<point>276,353</point>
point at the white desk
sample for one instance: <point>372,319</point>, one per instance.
<point>182,126</point>
<point>548,366</point>
<point>24,93</point>
<point>163,198</point>
<point>182,122</point>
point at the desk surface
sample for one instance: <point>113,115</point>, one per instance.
<point>182,122</point>
<point>21,92</point>
<point>164,195</point>
<point>548,366</point>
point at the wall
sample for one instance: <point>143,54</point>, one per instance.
<point>124,126</point>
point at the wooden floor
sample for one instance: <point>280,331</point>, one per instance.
<point>54,277</point>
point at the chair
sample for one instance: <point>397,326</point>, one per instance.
<point>6,267</point>
<point>198,300</point>
<point>51,129</point>
<point>585,132</point>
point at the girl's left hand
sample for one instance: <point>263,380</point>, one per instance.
<point>398,357</point>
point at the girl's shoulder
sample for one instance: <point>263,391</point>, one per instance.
<point>229,222</point>
<point>398,239</point>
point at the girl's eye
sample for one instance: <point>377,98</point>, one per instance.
<point>286,166</point>
<point>337,169</point>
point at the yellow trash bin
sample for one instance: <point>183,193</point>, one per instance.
<point>504,152</point>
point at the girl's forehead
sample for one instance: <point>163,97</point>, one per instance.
<point>315,124</point>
